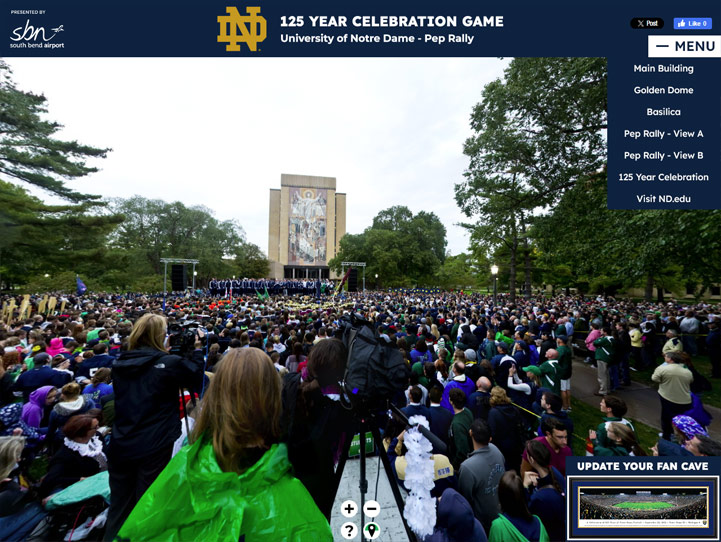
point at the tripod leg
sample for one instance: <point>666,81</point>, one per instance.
<point>341,465</point>
<point>363,484</point>
<point>392,480</point>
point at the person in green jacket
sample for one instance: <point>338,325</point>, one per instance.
<point>459,434</point>
<point>605,352</point>
<point>614,409</point>
<point>515,523</point>
<point>235,481</point>
<point>549,372</point>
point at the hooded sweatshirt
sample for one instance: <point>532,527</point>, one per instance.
<point>62,412</point>
<point>56,347</point>
<point>456,521</point>
<point>462,382</point>
<point>34,409</point>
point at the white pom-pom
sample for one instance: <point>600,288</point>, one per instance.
<point>420,510</point>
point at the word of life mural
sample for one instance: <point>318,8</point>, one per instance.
<point>307,226</point>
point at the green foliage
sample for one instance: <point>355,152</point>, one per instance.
<point>118,250</point>
<point>535,133</point>
<point>458,272</point>
<point>63,281</point>
<point>403,249</point>
<point>28,151</point>
<point>535,188</point>
<point>614,248</point>
<point>155,229</point>
<point>38,238</point>
<point>250,261</point>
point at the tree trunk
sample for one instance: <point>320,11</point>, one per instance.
<point>659,291</point>
<point>527,261</point>
<point>649,288</point>
<point>512,278</point>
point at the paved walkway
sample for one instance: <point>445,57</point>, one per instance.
<point>643,402</point>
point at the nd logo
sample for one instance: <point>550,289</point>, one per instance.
<point>252,28</point>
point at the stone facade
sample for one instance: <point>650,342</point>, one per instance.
<point>307,219</point>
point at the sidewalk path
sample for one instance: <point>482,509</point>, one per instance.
<point>643,402</point>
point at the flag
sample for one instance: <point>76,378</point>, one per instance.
<point>81,286</point>
<point>342,282</point>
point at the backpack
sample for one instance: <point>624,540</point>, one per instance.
<point>375,370</point>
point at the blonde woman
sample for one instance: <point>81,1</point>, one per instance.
<point>71,403</point>
<point>504,419</point>
<point>19,512</point>
<point>235,482</point>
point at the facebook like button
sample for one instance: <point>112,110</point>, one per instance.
<point>692,23</point>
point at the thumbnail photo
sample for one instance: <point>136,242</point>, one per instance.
<point>643,508</point>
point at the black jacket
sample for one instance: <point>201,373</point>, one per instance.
<point>505,421</point>
<point>147,385</point>
<point>314,435</point>
<point>66,468</point>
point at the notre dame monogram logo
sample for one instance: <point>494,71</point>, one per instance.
<point>252,28</point>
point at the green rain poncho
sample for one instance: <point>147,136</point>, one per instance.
<point>193,499</point>
<point>502,530</point>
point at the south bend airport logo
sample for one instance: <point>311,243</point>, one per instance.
<point>236,28</point>
<point>29,35</point>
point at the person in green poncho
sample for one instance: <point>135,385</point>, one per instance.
<point>235,481</point>
<point>515,523</point>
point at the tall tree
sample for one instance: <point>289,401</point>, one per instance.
<point>29,152</point>
<point>249,261</point>
<point>155,229</point>
<point>402,248</point>
<point>41,239</point>
<point>665,249</point>
<point>535,134</point>
<point>559,105</point>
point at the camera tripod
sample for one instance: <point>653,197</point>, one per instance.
<point>368,422</point>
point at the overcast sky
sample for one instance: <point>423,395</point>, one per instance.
<point>219,132</point>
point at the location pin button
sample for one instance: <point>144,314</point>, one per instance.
<point>372,531</point>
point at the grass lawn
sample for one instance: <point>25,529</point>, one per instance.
<point>702,365</point>
<point>644,505</point>
<point>587,417</point>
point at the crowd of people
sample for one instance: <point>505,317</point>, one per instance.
<point>248,287</point>
<point>260,428</point>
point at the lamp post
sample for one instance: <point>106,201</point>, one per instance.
<point>494,272</point>
<point>195,274</point>
<point>376,281</point>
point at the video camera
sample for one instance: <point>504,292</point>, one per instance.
<point>181,338</point>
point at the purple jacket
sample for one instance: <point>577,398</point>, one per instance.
<point>462,382</point>
<point>33,410</point>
